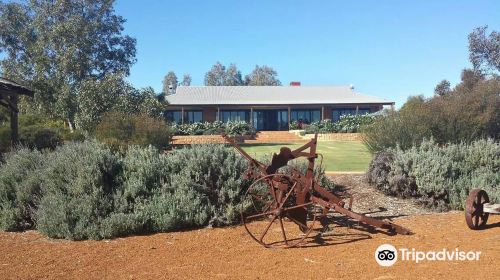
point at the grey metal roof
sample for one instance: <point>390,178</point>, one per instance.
<point>269,95</point>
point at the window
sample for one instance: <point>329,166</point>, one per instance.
<point>363,111</point>
<point>235,115</point>
<point>193,116</point>
<point>173,116</point>
<point>306,116</point>
<point>337,113</point>
<point>189,116</point>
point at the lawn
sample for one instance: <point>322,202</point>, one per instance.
<point>351,156</point>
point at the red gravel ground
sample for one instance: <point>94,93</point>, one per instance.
<point>229,253</point>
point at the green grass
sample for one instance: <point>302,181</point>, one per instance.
<point>350,156</point>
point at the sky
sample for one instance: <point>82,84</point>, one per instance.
<point>390,49</point>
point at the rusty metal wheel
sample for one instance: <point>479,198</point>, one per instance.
<point>475,217</point>
<point>271,215</point>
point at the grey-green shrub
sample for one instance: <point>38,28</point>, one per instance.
<point>232,128</point>
<point>346,124</point>
<point>78,183</point>
<point>19,188</point>
<point>441,176</point>
<point>83,190</point>
<point>215,173</point>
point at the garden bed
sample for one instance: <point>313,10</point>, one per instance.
<point>206,139</point>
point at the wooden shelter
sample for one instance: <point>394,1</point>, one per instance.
<point>9,95</point>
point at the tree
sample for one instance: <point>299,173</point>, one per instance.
<point>98,96</point>
<point>113,93</point>
<point>233,76</point>
<point>186,80</point>
<point>53,46</point>
<point>484,51</point>
<point>470,78</point>
<point>262,76</point>
<point>216,76</point>
<point>170,80</point>
<point>442,88</point>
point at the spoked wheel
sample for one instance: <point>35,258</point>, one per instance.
<point>475,217</point>
<point>271,215</point>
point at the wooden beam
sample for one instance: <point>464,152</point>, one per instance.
<point>251,116</point>
<point>13,121</point>
<point>289,117</point>
<point>182,115</point>
<point>5,104</point>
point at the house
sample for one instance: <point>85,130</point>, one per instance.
<point>268,107</point>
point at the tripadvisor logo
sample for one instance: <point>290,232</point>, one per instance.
<point>387,255</point>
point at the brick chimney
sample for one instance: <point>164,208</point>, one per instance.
<point>295,84</point>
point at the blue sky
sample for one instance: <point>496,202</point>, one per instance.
<point>391,49</point>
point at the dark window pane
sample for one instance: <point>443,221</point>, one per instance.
<point>316,116</point>
<point>235,115</point>
<point>363,111</point>
<point>306,116</point>
<point>173,116</point>
<point>335,115</point>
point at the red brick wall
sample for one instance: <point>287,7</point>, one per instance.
<point>209,114</point>
<point>328,112</point>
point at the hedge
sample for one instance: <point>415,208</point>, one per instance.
<point>439,176</point>
<point>85,190</point>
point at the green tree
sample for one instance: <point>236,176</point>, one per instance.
<point>262,76</point>
<point>170,83</point>
<point>484,50</point>
<point>98,96</point>
<point>232,76</point>
<point>442,88</point>
<point>55,45</point>
<point>216,76</point>
<point>186,80</point>
<point>113,93</point>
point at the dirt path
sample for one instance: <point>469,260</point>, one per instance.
<point>370,200</point>
<point>229,253</point>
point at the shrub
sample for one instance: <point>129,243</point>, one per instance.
<point>120,130</point>
<point>440,177</point>
<point>216,128</point>
<point>40,138</point>
<point>190,187</point>
<point>346,124</point>
<point>214,171</point>
<point>462,115</point>
<point>78,183</point>
<point>35,132</point>
<point>20,188</point>
<point>83,190</point>
<point>294,125</point>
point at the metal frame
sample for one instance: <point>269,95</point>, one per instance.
<point>306,190</point>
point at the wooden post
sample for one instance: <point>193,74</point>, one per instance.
<point>357,109</point>
<point>13,120</point>
<point>322,112</point>
<point>251,116</point>
<point>182,115</point>
<point>289,117</point>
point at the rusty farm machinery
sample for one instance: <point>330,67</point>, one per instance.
<point>478,208</point>
<point>288,204</point>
